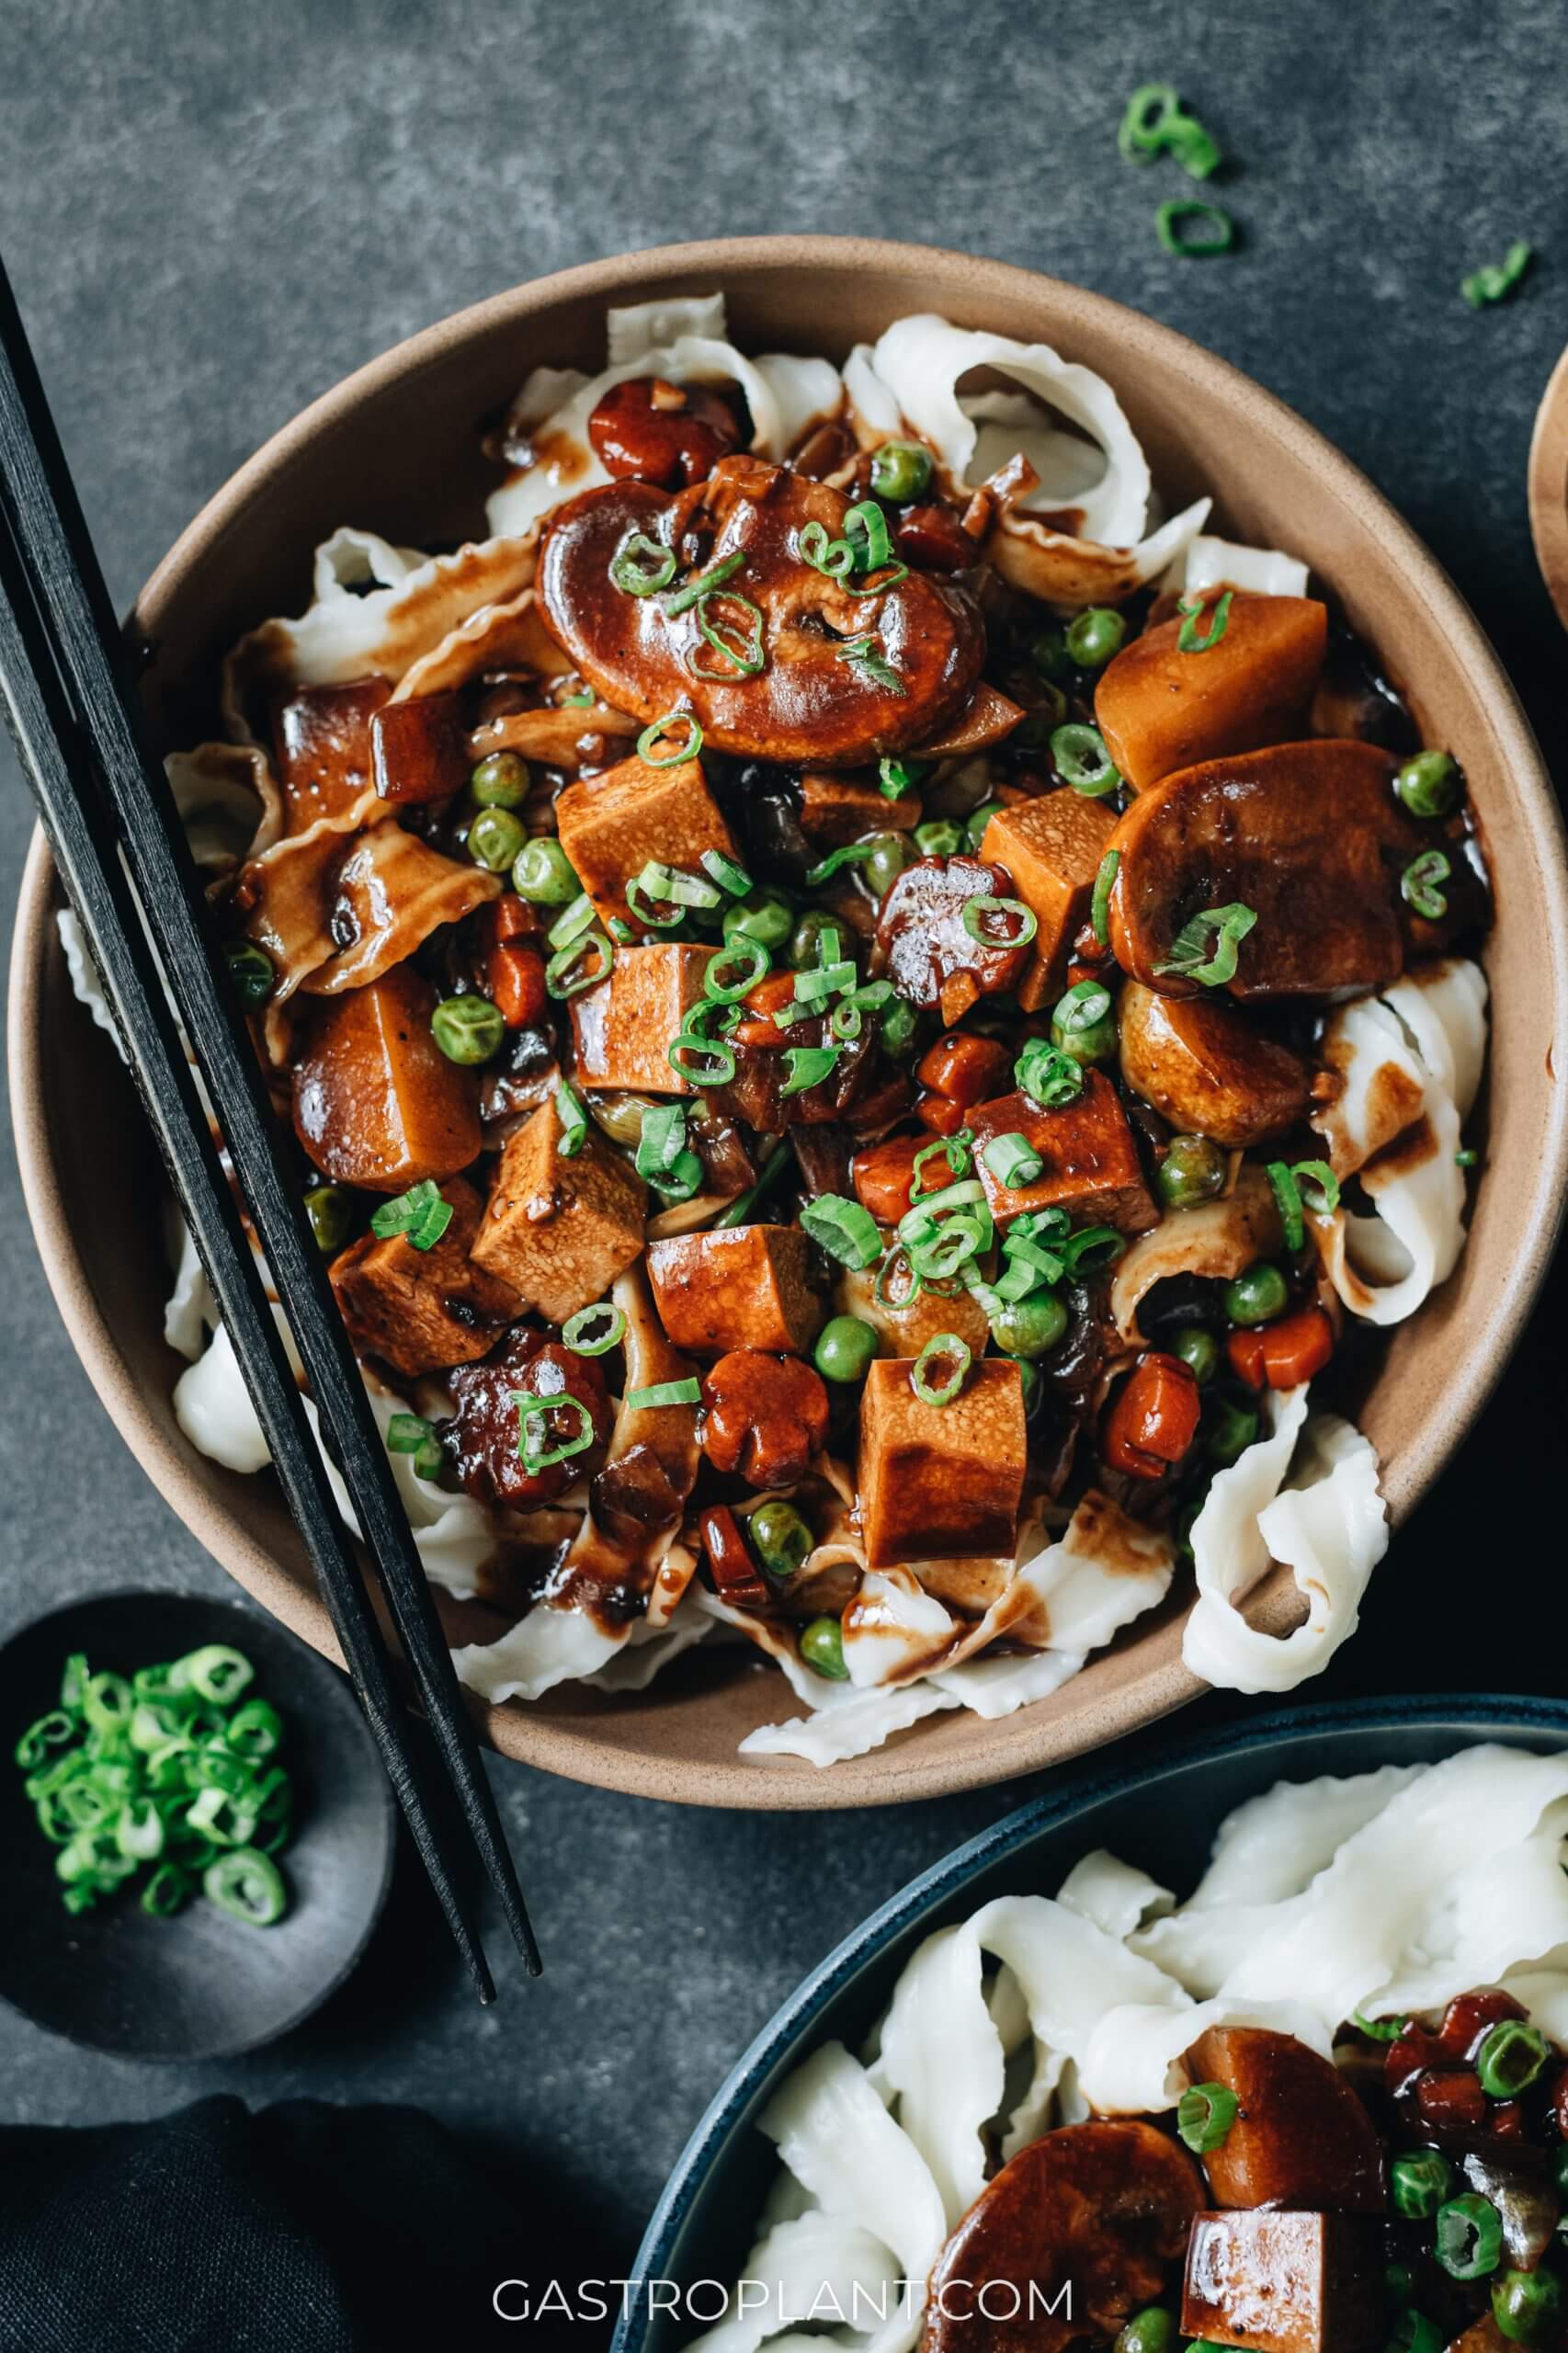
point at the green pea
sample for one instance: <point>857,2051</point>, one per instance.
<point>1151,2331</point>
<point>1419,2182</point>
<point>1257,1296</point>
<point>542,873</point>
<point>766,916</point>
<point>780,1539</point>
<point>844,1350</point>
<point>1230,1430</point>
<point>1094,636</point>
<point>981,819</point>
<point>1430,784</point>
<point>1048,653</point>
<point>252,971</point>
<point>900,1025</point>
<point>1029,1327</point>
<point>331,1213</point>
<point>466,1028</point>
<point>1527,2305</point>
<point>901,471</point>
<point>500,780</point>
<point>940,838</point>
<point>806,937</point>
<point>1198,1348</point>
<point>1193,1170</point>
<point>885,862</point>
<point>822,1647</point>
<point>496,838</point>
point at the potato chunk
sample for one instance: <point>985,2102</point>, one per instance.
<point>1052,846</point>
<point>940,1479</point>
<point>611,825</point>
<point>1209,1068</point>
<point>560,1231</point>
<point>423,1311</point>
<point>1160,710</point>
<point>376,1101</point>
<point>1301,2136</point>
<point>741,1287</point>
<point>1284,2282</point>
<point>624,1027</point>
<point>1091,1160</point>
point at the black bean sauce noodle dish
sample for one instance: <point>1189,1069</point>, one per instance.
<point>862,1017</point>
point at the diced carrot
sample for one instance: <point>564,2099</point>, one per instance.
<point>1283,1355</point>
<point>1154,1418</point>
<point>516,975</point>
<point>940,1114</point>
<point>511,917</point>
<point>965,1069</point>
<point>882,1175</point>
<point>736,1573</point>
<point>757,1027</point>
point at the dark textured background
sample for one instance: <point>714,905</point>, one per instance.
<point>211,213</point>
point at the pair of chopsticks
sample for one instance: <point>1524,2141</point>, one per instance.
<point>123,856</point>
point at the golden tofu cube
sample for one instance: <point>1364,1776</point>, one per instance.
<point>611,825</point>
<point>939,1482</point>
<point>743,1287</point>
<point>560,1231</point>
<point>1091,1158</point>
<point>624,1028</point>
<point>837,808</point>
<point>1052,846</point>
<point>422,1311</point>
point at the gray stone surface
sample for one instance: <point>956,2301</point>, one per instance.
<point>211,213</point>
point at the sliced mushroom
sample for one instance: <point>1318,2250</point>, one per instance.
<point>1308,836</point>
<point>1300,2138</point>
<point>1102,2210</point>
<point>814,699</point>
<point>1161,710</point>
<point>1208,1068</point>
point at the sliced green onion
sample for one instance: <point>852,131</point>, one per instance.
<point>640,565</point>
<point>895,777</point>
<point>1494,281</point>
<point>1216,234</point>
<point>879,582</point>
<point>534,1426</point>
<point>422,1213</point>
<point>583,701</point>
<point>572,1120</point>
<point>248,1885</point>
<point>1205,2113</point>
<point>726,873</point>
<point>1093,1250</point>
<point>578,1333</point>
<point>561,978</point>
<point>1079,755</point>
<point>847,854</point>
<point>1188,639</point>
<point>1012,1160</point>
<point>1049,1076</point>
<point>655,733</point>
<point>1146,120</point>
<point>867,523</point>
<point>1085,1005</point>
<point>717,1060</point>
<point>745,660</point>
<point>815,546</point>
<point>406,1433</point>
<point>571,922</point>
<point>1311,1181</point>
<point>666,1393</point>
<point>846,1023</point>
<point>955,1151</point>
<point>743,956</point>
<point>1100,905</point>
<point>700,585</point>
<point>844,1229</point>
<point>663,1140</point>
<point>56,1730</point>
<point>1419,884</point>
<point>942,1348</point>
<point>984,907</point>
<point>861,654</point>
<point>807,1066</point>
<point>1218,929</point>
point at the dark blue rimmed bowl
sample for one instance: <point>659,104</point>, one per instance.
<point>1163,1815</point>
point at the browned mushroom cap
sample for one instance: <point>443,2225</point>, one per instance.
<point>931,955</point>
<point>1308,836</point>
<point>1208,1067</point>
<point>1299,2137</point>
<point>921,643</point>
<point>1105,2206</point>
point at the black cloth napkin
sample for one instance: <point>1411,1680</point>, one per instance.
<point>301,2228</point>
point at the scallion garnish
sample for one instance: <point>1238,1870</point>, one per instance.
<point>1100,905</point>
<point>664,1160</point>
<point>1012,1160</point>
<point>1205,2113</point>
<point>703,584</point>
<point>411,1434</point>
<point>579,1335</point>
<point>844,1229</point>
<point>664,1393</point>
<point>726,873</point>
<point>1188,639</point>
<point>642,566</point>
<point>572,1120</point>
<point>1419,884</point>
<point>1079,755</point>
<point>654,734</point>
<point>1086,1003</point>
<point>673,888</point>
<point>895,777</point>
<point>942,1348</point>
<point>571,922</point>
<point>866,529</point>
<point>421,1214</point>
<point>702,1061</point>
<point>861,654</point>
<point>561,977</point>
<point>1216,235</point>
<point>954,1150</point>
<point>984,908</point>
<point>1217,929</point>
<point>846,854</point>
<point>534,1428</point>
<point>1311,1183</point>
<point>747,658</point>
<point>807,1066</point>
<point>1047,1075</point>
<point>1156,121</point>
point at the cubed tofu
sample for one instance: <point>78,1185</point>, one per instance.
<point>560,1231</point>
<point>613,823</point>
<point>423,1311</point>
<point>323,748</point>
<point>420,748</point>
<point>743,1287</point>
<point>1091,1159</point>
<point>940,1481</point>
<point>1283,2282</point>
<point>1052,846</point>
<point>624,1028</point>
<point>836,808</point>
<point>376,1101</point>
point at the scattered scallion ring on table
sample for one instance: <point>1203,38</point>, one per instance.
<point>941,1348</point>
<point>534,1428</point>
<point>641,566</point>
<point>1495,281</point>
<point>1189,640</point>
<point>844,1229</point>
<point>1419,884</point>
<point>700,585</point>
<point>171,1769</point>
<point>422,1213</point>
<point>1308,1182</point>
<point>572,1120</point>
<point>666,1393</point>
<point>984,909</point>
<point>1217,234</point>
<point>579,1334</point>
<point>1156,123</point>
<point>1100,905</point>
<point>1205,2113</point>
<point>658,731</point>
<point>1080,760</point>
<point>1205,947</point>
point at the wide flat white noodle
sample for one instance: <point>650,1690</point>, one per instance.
<point>1207,562</point>
<point>190,1312</point>
<point>814,2267</point>
<point>942,2056</point>
<point>1276,1845</point>
<point>1102,1572</point>
<point>1112,1894</point>
<point>892,1623</point>
<point>992,1688</point>
<point>1132,2065</point>
<point>85,985</point>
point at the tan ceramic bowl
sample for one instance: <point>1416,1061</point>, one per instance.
<point>397,447</point>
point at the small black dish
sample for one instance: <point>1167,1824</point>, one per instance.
<point>200,1986</point>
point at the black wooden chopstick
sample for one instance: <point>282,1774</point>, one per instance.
<point>63,634</point>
